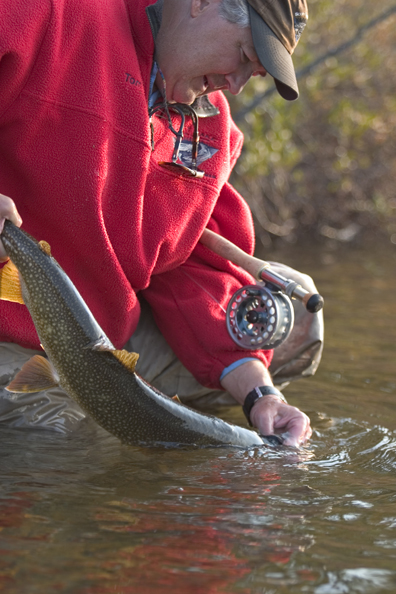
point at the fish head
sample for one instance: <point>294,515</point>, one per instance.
<point>22,248</point>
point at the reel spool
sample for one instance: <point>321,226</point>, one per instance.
<point>258,318</point>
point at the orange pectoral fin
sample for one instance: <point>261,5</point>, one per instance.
<point>128,359</point>
<point>36,375</point>
<point>45,247</point>
<point>10,283</point>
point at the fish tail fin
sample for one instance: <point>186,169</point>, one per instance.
<point>10,283</point>
<point>36,375</point>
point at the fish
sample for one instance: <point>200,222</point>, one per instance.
<point>80,358</point>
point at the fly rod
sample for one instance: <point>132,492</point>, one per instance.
<point>261,270</point>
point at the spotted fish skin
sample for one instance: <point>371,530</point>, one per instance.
<point>83,358</point>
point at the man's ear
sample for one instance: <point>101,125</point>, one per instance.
<point>199,6</point>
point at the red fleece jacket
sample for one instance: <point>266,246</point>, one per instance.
<point>75,155</point>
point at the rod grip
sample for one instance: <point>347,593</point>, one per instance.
<point>260,270</point>
<point>222,247</point>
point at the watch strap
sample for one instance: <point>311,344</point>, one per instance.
<point>257,393</point>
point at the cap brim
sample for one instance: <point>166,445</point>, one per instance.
<point>273,56</point>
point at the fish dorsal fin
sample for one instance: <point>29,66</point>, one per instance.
<point>128,359</point>
<point>10,283</point>
<point>176,399</point>
<point>45,247</point>
<point>36,375</point>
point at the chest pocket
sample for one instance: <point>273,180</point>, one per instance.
<point>189,152</point>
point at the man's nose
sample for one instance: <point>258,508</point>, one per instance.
<point>236,81</point>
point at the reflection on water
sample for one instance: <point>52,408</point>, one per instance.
<point>83,514</point>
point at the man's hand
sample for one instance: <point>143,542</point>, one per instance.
<point>269,413</point>
<point>8,211</point>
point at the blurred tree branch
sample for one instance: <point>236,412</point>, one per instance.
<point>312,65</point>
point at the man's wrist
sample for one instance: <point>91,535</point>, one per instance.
<point>255,395</point>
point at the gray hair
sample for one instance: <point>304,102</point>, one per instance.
<point>235,11</point>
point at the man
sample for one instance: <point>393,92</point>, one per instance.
<point>91,102</point>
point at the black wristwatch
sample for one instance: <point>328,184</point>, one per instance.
<point>255,395</point>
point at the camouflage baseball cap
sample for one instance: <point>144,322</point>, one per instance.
<point>276,28</point>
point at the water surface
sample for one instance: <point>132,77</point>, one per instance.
<point>83,514</point>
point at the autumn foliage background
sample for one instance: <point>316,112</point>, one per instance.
<point>323,168</point>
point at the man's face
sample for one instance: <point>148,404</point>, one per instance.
<point>201,52</point>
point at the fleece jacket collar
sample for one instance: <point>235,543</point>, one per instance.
<point>154,15</point>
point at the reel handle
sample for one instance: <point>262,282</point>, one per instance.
<point>260,270</point>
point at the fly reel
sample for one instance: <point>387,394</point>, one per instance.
<point>258,318</point>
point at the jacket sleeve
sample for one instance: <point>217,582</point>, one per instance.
<point>23,24</point>
<point>189,303</point>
